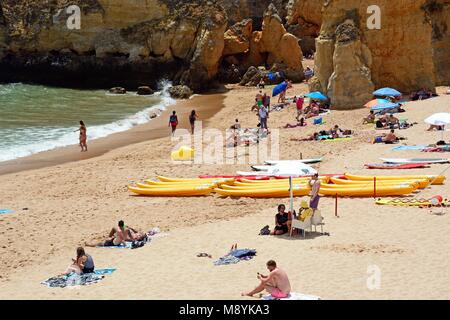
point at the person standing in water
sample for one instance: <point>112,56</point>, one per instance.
<point>173,122</point>
<point>83,137</point>
<point>192,118</point>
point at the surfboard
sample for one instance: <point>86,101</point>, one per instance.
<point>415,160</point>
<point>305,161</point>
<point>397,166</point>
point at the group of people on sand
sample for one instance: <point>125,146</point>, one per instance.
<point>173,121</point>
<point>118,236</point>
<point>283,219</point>
<point>334,133</point>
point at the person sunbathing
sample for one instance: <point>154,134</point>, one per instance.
<point>392,121</point>
<point>83,263</point>
<point>301,123</point>
<point>370,118</point>
<point>282,221</point>
<point>311,137</point>
<point>117,237</point>
<point>336,132</point>
<point>276,283</point>
<point>434,127</point>
<point>389,138</point>
<point>312,111</point>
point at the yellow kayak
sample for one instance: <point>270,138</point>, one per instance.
<point>214,180</point>
<point>257,185</point>
<point>172,192</point>
<point>423,183</point>
<point>295,180</point>
<point>246,187</point>
<point>262,193</point>
<point>175,186</point>
<point>434,179</point>
<point>368,192</point>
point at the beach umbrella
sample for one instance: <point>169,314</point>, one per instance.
<point>279,88</point>
<point>385,106</point>
<point>387,92</point>
<point>439,119</point>
<point>375,102</point>
<point>316,96</point>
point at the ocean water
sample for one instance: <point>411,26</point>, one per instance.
<point>36,118</point>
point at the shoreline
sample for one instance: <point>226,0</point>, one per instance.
<point>206,105</point>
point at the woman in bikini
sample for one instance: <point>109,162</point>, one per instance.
<point>192,118</point>
<point>83,137</point>
<point>117,237</point>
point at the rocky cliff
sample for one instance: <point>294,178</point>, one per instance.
<point>402,54</point>
<point>119,43</point>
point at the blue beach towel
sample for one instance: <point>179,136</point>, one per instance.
<point>5,211</point>
<point>405,148</point>
<point>74,279</point>
<point>236,256</point>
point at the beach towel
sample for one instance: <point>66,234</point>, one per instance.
<point>293,296</point>
<point>5,211</point>
<point>129,245</point>
<point>405,148</point>
<point>236,256</point>
<point>77,280</point>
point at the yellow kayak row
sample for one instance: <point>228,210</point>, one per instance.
<point>423,183</point>
<point>434,179</point>
<point>326,190</point>
<point>263,192</point>
<point>383,191</point>
<point>282,181</point>
<point>172,192</point>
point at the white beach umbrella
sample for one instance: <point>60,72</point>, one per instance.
<point>439,119</point>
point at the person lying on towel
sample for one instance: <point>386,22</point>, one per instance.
<point>389,138</point>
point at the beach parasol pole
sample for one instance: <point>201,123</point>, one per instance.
<point>291,194</point>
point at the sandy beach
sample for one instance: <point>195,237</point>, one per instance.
<point>71,200</point>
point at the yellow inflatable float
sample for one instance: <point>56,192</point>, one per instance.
<point>383,191</point>
<point>183,154</point>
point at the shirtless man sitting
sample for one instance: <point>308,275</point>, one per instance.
<point>276,283</point>
<point>388,138</point>
<point>118,236</point>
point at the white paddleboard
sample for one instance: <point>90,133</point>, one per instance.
<point>415,160</point>
<point>305,161</point>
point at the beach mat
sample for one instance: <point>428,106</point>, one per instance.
<point>5,211</point>
<point>73,279</point>
<point>406,148</point>
<point>294,296</point>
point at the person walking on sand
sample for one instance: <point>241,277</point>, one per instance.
<point>173,122</point>
<point>83,137</point>
<point>276,283</point>
<point>192,118</point>
<point>315,186</point>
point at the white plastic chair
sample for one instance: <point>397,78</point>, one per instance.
<point>317,220</point>
<point>301,225</point>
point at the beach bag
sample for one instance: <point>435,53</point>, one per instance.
<point>318,121</point>
<point>265,231</point>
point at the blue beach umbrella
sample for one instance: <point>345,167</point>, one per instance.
<point>316,96</point>
<point>279,89</point>
<point>387,92</point>
<point>385,106</point>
